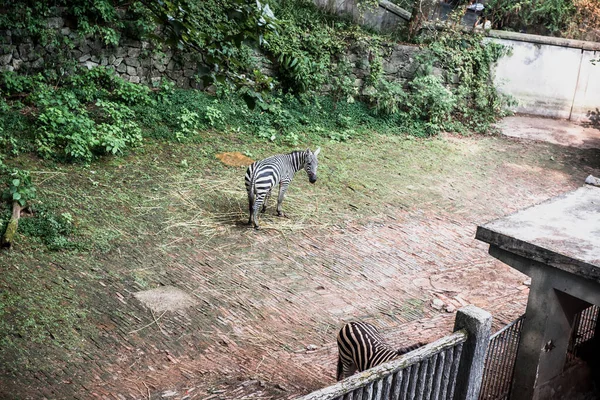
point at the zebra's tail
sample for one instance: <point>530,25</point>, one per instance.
<point>410,348</point>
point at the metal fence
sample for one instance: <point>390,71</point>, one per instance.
<point>584,330</point>
<point>426,373</point>
<point>500,362</point>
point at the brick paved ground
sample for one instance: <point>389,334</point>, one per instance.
<point>269,304</point>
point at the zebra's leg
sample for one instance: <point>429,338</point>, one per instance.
<point>282,189</point>
<point>264,207</point>
<point>345,368</point>
<point>258,202</point>
<point>250,205</point>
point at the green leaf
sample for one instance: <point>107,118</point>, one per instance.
<point>16,196</point>
<point>16,182</point>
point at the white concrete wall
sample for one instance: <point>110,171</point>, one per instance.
<point>586,103</point>
<point>554,79</point>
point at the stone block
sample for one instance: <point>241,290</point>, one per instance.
<point>6,58</point>
<point>95,59</point>
<point>145,62</point>
<point>121,52</point>
<point>84,58</point>
<point>141,71</point>
<point>183,82</point>
<point>122,68</point>
<point>25,51</point>
<point>132,62</point>
<point>188,73</point>
<point>158,65</point>
<point>104,61</point>
<point>84,48</point>
<point>7,68</point>
<point>132,43</point>
<point>66,31</point>
<point>90,64</point>
<point>134,79</point>
<point>131,70</point>
<point>37,63</point>
<point>133,52</point>
<point>112,59</point>
<point>117,61</point>
<point>16,63</point>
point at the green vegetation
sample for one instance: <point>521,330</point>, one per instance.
<point>575,19</point>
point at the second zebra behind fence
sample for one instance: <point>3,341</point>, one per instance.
<point>262,176</point>
<point>360,347</point>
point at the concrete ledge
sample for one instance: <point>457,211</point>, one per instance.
<point>394,9</point>
<point>553,41</point>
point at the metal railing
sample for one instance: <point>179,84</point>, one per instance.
<point>500,361</point>
<point>426,373</point>
<point>584,330</point>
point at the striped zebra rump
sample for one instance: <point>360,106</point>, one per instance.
<point>360,347</point>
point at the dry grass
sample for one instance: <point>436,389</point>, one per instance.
<point>203,208</point>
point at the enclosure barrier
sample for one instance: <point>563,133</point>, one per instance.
<point>449,368</point>
<point>500,361</point>
<point>585,328</point>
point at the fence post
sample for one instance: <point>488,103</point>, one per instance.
<point>478,324</point>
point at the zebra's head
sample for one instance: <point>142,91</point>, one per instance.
<point>311,163</point>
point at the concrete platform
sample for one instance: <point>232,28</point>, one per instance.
<point>563,232</point>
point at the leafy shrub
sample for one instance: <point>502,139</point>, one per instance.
<point>20,188</point>
<point>541,17</point>
<point>388,97</point>
<point>188,123</point>
<point>54,230</point>
<point>430,101</point>
<point>65,134</point>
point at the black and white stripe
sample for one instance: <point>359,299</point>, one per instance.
<point>263,175</point>
<point>360,347</point>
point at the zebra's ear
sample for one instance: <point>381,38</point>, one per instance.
<point>316,153</point>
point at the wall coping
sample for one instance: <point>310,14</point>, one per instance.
<point>549,40</point>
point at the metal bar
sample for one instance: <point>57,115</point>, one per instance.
<point>414,377</point>
<point>446,374</point>
<point>421,381</point>
<point>430,377</point>
<point>397,385</point>
<point>455,364</point>
<point>439,372</point>
<point>406,383</point>
<point>368,392</point>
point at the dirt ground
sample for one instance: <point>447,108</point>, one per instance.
<point>264,308</point>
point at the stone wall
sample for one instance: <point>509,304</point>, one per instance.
<point>137,62</point>
<point>133,60</point>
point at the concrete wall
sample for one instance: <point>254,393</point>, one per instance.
<point>548,76</point>
<point>385,18</point>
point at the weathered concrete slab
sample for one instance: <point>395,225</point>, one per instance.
<point>563,232</point>
<point>165,298</point>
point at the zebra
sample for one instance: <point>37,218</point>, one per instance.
<point>360,347</point>
<point>262,176</point>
